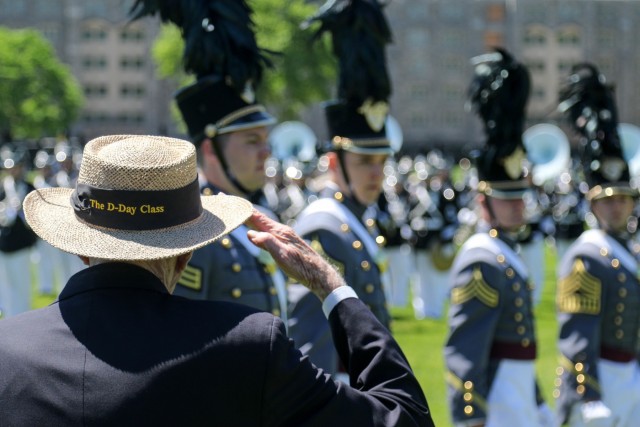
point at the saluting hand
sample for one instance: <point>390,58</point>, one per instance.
<point>293,255</point>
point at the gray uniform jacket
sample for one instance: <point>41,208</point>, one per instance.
<point>336,239</point>
<point>598,299</point>
<point>226,270</point>
<point>490,319</point>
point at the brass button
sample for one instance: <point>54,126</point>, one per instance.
<point>236,267</point>
<point>525,342</point>
<point>493,232</point>
<point>236,293</point>
<point>370,222</point>
<point>468,385</point>
<point>344,228</point>
<point>338,196</point>
<point>579,367</point>
<point>622,277</point>
<point>369,288</point>
<point>518,317</point>
<point>226,243</point>
<point>580,378</point>
<point>556,394</point>
<point>207,191</point>
<point>516,286</point>
<point>618,320</point>
<point>580,389</point>
<point>620,307</point>
<point>500,258</point>
<point>365,265</point>
<point>275,312</point>
<point>619,334</point>
<point>518,302</point>
<point>357,245</point>
<point>468,397</point>
<point>468,410</point>
<point>381,241</point>
<point>604,251</point>
<point>521,330</point>
<point>622,292</point>
<point>557,382</point>
<point>273,290</point>
<point>615,263</point>
<point>509,272</point>
<point>559,370</point>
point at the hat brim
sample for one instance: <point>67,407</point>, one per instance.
<point>49,213</point>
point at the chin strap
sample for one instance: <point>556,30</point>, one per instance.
<point>225,169</point>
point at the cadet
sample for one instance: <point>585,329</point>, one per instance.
<point>490,351</point>
<point>16,238</point>
<point>231,138</point>
<point>342,223</point>
<point>598,288</point>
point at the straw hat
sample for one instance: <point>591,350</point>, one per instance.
<point>136,198</point>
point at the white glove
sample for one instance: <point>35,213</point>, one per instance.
<point>596,414</point>
<point>546,417</point>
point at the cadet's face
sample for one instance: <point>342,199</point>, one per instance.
<point>508,214</point>
<point>366,174</point>
<point>246,152</point>
<point>613,212</point>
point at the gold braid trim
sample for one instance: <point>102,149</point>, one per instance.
<point>238,114</point>
<point>191,278</point>
<point>579,292</point>
<point>476,288</point>
<point>459,385</point>
<point>569,366</point>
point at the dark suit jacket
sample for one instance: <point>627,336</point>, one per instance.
<point>117,349</point>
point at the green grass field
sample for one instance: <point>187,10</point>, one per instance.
<point>423,340</point>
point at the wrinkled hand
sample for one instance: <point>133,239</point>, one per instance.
<point>293,255</point>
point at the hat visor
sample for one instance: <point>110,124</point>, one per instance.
<point>49,213</point>
<point>370,150</point>
<point>602,191</point>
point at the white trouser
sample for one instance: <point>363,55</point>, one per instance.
<point>512,398</point>
<point>430,287</point>
<point>400,270</point>
<point>620,385</point>
<point>48,260</point>
<point>15,282</point>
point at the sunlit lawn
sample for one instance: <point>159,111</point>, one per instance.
<point>422,342</point>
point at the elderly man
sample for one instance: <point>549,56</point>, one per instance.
<point>117,348</point>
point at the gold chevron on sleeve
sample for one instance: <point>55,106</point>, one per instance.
<point>476,288</point>
<point>579,292</point>
<point>317,246</point>
<point>191,278</point>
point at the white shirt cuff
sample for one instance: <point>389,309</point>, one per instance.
<point>337,295</point>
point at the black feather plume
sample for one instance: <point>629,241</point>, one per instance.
<point>359,32</point>
<point>218,35</point>
<point>498,93</point>
<point>589,103</point>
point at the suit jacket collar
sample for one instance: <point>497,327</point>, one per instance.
<point>112,275</point>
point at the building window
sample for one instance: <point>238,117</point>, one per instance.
<point>534,37</point>
<point>538,93</point>
<point>564,67</point>
<point>132,63</point>
<point>94,62</point>
<point>495,13</point>
<point>493,38</point>
<point>606,38</point>
<point>132,91</point>
<point>568,37</point>
<point>96,90</point>
<point>93,34</point>
<point>535,66</point>
<point>131,34</point>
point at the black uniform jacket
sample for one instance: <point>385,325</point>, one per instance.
<point>117,349</point>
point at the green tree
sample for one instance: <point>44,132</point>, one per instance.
<point>302,74</point>
<point>38,94</point>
